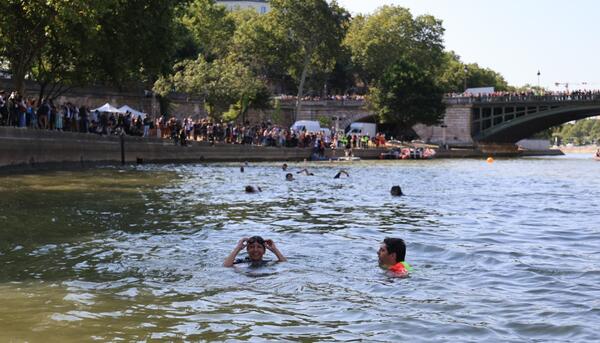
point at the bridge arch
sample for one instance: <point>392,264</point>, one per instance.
<point>521,127</point>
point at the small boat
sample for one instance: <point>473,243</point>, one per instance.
<point>409,153</point>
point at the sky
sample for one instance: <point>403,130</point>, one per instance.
<point>517,38</point>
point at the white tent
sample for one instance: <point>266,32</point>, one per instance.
<point>107,108</point>
<point>125,109</point>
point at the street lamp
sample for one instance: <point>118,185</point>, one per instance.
<point>466,70</point>
<point>538,74</point>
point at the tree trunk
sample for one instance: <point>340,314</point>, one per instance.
<point>43,86</point>
<point>301,86</point>
<point>18,77</point>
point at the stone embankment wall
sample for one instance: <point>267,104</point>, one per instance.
<point>38,149</point>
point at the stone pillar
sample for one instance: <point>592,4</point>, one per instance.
<point>457,120</point>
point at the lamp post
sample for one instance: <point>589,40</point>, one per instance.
<point>538,75</point>
<point>466,70</point>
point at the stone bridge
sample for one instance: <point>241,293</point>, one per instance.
<point>456,130</point>
<point>471,120</point>
<point>508,119</point>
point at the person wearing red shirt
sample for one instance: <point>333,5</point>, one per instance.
<point>391,257</point>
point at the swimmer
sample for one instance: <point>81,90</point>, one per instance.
<point>242,169</point>
<point>340,173</point>
<point>391,256</point>
<point>306,172</point>
<point>251,189</point>
<point>396,191</point>
<point>289,177</point>
<point>256,247</point>
<point>284,167</point>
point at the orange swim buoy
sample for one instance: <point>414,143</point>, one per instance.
<point>490,160</point>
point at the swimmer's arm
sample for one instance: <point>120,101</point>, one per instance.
<point>231,258</point>
<point>273,248</point>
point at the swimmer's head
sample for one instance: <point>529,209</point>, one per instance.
<point>242,169</point>
<point>289,177</point>
<point>250,189</point>
<point>396,191</point>
<point>391,251</point>
<point>255,247</point>
<point>284,166</point>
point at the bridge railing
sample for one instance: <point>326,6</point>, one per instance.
<point>522,99</point>
<point>466,100</point>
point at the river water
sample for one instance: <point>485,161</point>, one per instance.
<point>507,251</point>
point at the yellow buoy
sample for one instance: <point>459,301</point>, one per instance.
<point>490,160</point>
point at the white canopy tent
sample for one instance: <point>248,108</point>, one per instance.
<point>125,109</point>
<point>107,108</point>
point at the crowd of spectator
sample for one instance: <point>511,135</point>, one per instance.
<point>530,94</point>
<point>18,111</point>
<point>182,131</point>
<point>346,97</point>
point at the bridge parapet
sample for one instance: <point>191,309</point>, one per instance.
<point>529,99</point>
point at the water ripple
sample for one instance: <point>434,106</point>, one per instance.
<point>504,252</point>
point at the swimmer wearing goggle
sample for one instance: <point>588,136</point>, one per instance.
<point>256,247</point>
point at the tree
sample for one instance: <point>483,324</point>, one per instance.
<point>226,86</point>
<point>316,29</point>
<point>130,47</point>
<point>71,42</point>
<point>261,45</point>
<point>454,75</point>
<point>407,95</point>
<point>27,27</point>
<point>390,34</point>
<point>211,27</point>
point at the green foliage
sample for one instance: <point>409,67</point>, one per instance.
<point>210,26</point>
<point>582,132</point>
<point>261,45</point>
<point>276,115</point>
<point>27,27</point>
<point>324,121</point>
<point>225,85</point>
<point>407,95</point>
<point>229,57</point>
<point>72,42</point>
<point>453,75</point>
<point>390,34</point>
<point>314,30</point>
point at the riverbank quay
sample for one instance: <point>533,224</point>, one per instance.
<point>579,149</point>
<point>22,149</point>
